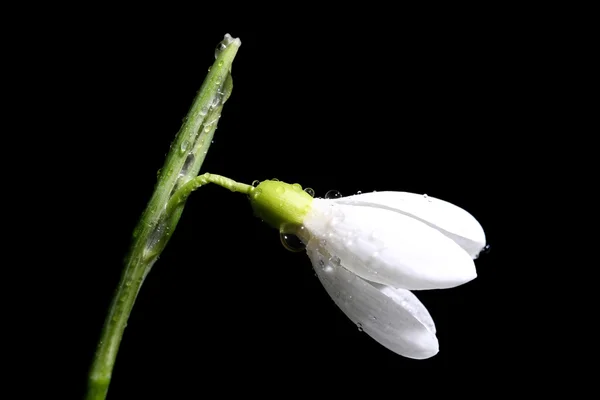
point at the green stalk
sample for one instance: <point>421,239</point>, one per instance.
<point>156,224</point>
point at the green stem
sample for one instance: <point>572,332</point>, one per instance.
<point>156,225</point>
<point>182,194</point>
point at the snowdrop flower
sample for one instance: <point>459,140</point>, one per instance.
<point>370,250</point>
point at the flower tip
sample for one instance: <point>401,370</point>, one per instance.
<point>423,351</point>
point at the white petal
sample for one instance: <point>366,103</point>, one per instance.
<point>393,317</point>
<point>388,247</point>
<point>449,219</point>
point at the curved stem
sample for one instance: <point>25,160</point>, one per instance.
<point>181,195</point>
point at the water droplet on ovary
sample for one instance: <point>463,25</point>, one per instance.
<point>279,189</point>
<point>310,192</point>
<point>275,180</point>
<point>359,325</point>
<point>297,186</point>
<point>333,194</point>
<point>291,242</point>
<point>220,63</point>
<point>359,192</point>
<point>255,183</point>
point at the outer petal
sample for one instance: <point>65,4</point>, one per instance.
<point>452,221</point>
<point>393,317</point>
<point>388,247</point>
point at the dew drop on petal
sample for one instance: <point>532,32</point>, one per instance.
<point>291,242</point>
<point>310,192</point>
<point>486,250</point>
<point>333,194</point>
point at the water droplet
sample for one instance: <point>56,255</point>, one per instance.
<point>255,183</point>
<point>297,186</point>
<point>291,242</point>
<point>359,192</point>
<point>223,45</point>
<point>275,180</point>
<point>207,129</point>
<point>212,141</point>
<point>360,328</point>
<point>333,194</point>
<point>158,172</point>
<point>184,146</point>
<point>220,47</point>
<point>128,283</point>
<point>220,64</point>
<point>218,81</point>
<point>310,191</point>
<point>280,189</point>
<point>486,249</point>
<point>216,101</point>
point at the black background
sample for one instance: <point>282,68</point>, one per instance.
<point>425,105</point>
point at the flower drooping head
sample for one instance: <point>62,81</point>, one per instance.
<point>369,250</point>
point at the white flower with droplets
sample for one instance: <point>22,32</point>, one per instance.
<point>370,250</point>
